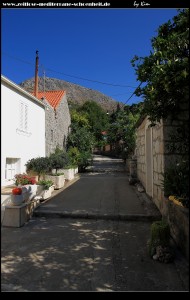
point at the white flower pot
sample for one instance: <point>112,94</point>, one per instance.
<point>29,191</point>
<point>45,194</point>
<point>17,200</point>
<point>58,181</point>
<point>76,170</point>
<point>69,174</point>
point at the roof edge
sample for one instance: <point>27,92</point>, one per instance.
<point>140,120</point>
<point>18,88</point>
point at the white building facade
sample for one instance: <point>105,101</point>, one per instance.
<point>22,130</point>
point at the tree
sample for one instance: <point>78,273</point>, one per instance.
<point>165,78</point>
<point>81,138</point>
<point>81,141</point>
<point>80,118</point>
<point>87,123</point>
<point>58,159</point>
<point>121,133</point>
<point>97,118</point>
<point>165,72</point>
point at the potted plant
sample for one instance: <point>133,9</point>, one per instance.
<point>40,165</point>
<point>17,196</point>
<point>23,179</point>
<point>159,242</point>
<point>85,159</point>
<point>45,188</point>
<point>58,180</point>
<point>74,156</point>
<point>69,172</point>
<point>28,185</point>
<point>57,160</point>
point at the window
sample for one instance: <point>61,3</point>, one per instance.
<point>64,141</point>
<point>23,120</point>
<point>12,167</point>
<point>23,116</point>
<point>51,135</point>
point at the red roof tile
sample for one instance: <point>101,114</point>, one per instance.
<point>53,97</point>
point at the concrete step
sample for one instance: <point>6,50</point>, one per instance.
<point>91,215</point>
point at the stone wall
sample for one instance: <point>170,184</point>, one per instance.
<point>57,125</point>
<point>162,158</point>
<point>158,165</point>
<point>50,125</point>
<point>178,219</point>
<point>140,153</point>
<point>63,122</point>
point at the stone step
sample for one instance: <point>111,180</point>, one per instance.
<point>89,215</point>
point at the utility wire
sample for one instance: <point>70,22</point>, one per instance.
<point>132,94</point>
<point>91,80</point>
<point>19,59</point>
<point>140,85</point>
<point>57,72</point>
<point>120,94</point>
<point>165,93</point>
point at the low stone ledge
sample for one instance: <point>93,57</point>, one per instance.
<point>18,215</point>
<point>178,219</point>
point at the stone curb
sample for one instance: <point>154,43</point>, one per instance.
<point>128,217</point>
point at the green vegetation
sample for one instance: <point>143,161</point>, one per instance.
<point>176,182</point>
<point>97,119</point>
<point>58,160</point>
<point>43,165</point>
<point>46,183</point>
<point>165,72</point>
<point>74,156</point>
<point>121,133</point>
<point>160,236</point>
<point>40,165</point>
<point>82,140</point>
<point>92,127</point>
<point>87,123</point>
<point>164,78</point>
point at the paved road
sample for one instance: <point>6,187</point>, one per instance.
<point>89,251</point>
<point>104,192</point>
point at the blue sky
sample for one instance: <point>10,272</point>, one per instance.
<point>95,44</point>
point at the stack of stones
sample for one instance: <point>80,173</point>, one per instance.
<point>163,254</point>
<point>159,243</point>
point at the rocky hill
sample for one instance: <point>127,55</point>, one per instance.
<point>75,93</point>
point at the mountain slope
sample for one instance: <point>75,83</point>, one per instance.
<point>75,93</point>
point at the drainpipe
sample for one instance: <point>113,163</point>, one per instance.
<point>36,76</point>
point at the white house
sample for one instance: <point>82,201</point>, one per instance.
<point>23,129</point>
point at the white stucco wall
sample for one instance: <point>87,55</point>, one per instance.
<point>16,143</point>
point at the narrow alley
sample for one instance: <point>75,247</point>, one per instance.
<point>91,236</point>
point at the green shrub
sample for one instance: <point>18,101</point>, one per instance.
<point>57,174</point>
<point>85,159</point>
<point>74,155</point>
<point>176,181</point>
<point>59,159</point>
<point>46,183</point>
<point>160,236</point>
<point>40,165</point>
